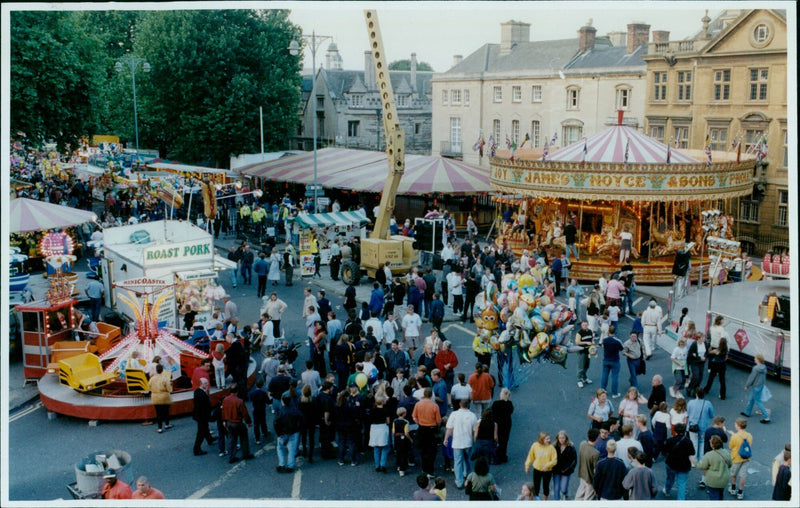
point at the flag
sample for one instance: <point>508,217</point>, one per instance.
<point>545,152</point>
<point>708,150</point>
<point>627,149</point>
<point>759,152</point>
<point>738,151</point>
<point>764,149</point>
<point>480,151</point>
<point>555,138</point>
<point>585,151</point>
<point>477,144</point>
<point>492,146</point>
<point>527,138</point>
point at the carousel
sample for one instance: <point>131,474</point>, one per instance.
<point>630,198</point>
<point>106,377</point>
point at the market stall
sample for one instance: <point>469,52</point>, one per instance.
<point>318,230</point>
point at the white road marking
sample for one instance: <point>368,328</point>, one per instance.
<point>636,302</point>
<point>459,327</point>
<point>298,476</point>
<point>199,494</point>
<point>25,412</point>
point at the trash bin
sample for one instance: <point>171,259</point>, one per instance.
<point>89,471</point>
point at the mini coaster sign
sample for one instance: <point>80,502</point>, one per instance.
<point>144,285</point>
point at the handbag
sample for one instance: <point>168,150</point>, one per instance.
<point>641,368</point>
<point>693,427</point>
<point>468,488</point>
<point>765,394</point>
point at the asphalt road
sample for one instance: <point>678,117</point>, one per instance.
<point>43,452</point>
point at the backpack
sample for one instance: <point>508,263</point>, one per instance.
<point>745,451</point>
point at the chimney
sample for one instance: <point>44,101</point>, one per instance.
<point>414,71</point>
<point>511,33</point>
<point>586,37</point>
<point>705,20</point>
<point>638,34</point>
<point>457,59</point>
<point>617,39</point>
<point>660,36</point>
<point>369,71</point>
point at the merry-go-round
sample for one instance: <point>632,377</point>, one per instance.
<point>619,185</point>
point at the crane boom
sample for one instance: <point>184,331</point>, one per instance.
<point>395,137</point>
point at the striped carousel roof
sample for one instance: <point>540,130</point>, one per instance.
<point>609,146</point>
<point>366,171</point>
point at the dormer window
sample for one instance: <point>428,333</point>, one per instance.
<point>356,100</point>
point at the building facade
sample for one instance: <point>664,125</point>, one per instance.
<point>729,82</point>
<point>347,107</point>
<point>567,88</point>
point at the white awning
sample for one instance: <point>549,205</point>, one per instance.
<point>323,220</point>
<point>221,263</point>
<point>197,274</point>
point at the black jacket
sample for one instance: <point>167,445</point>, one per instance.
<point>288,421</point>
<point>202,406</point>
<point>679,449</point>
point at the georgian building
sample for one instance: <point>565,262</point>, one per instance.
<point>570,87</point>
<point>728,81</point>
<point>347,107</point>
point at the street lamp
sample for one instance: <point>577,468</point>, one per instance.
<point>132,62</point>
<point>294,49</point>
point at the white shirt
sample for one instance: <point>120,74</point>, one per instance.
<point>462,422</point>
<point>459,392</point>
<point>622,449</point>
<point>389,329</point>
<point>268,335</point>
<point>454,283</point>
<point>377,328</point>
<point>652,317</point>
<point>446,254</point>
<point>411,324</point>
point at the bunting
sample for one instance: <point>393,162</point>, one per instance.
<point>492,146</point>
<point>707,149</point>
<point>627,149</point>
<point>527,138</point>
<point>545,152</point>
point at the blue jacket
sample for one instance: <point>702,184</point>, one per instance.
<point>376,301</point>
<point>437,309</point>
<point>557,266</point>
<point>261,267</point>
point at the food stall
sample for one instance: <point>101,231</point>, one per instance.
<point>175,252</point>
<point>322,228</point>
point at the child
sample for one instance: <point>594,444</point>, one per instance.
<point>605,322</point>
<point>678,368</point>
<point>399,381</point>
<point>218,361</point>
<point>447,449</point>
<point>526,493</point>
<point>613,311</point>
<point>402,440</point>
<point>439,488</point>
<point>660,424</point>
<point>637,327</point>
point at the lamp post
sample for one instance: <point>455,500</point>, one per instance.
<point>132,62</point>
<point>294,49</point>
<point>710,224</point>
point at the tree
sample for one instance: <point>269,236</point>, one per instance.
<point>211,70</point>
<point>55,80</point>
<point>405,65</point>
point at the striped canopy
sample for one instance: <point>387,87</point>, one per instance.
<point>366,171</point>
<point>32,215</point>
<point>324,220</point>
<point>609,146</point>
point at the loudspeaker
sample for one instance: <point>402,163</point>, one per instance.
<point>681,264</point>
<point>423,233</point>
<point>780,318</point>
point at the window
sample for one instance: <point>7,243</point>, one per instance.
<point>516,93</point>
<point>684,85</point>
<point>785,148</point>
<point>498,94</point>
<point>417,128</point>
<point>536,93</point>
<point>751,137</point>
<point>722,85</point>
<point>573,98</point>
<point>357,100</point>
<point>657,132</point>
<point>761,34</point>
<point>352,128</point>
<point>515,131</point>
<point>445,95</point>
<point>455,97</point>
<point>758,84</point>
<point>496,131</point>
<point>783,207</point>
<point>320,102</point>
<point>402,101</point>
<point>681,137</point>
<point>748,210</point>
<point>719,138</point>
<point>466,97</point>
<point>623,98</point>
<point>455,134</point>
<point>535,132</point>
<point>660,86</point>
<point>571,134</point>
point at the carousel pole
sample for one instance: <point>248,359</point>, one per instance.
<point>650,247</point>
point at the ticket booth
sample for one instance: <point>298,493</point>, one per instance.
<point>42,325</point>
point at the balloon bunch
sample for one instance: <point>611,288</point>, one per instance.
<point>519,315</point>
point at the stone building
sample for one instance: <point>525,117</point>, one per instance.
<point>347,107</point>
<point>569,87</point>
<point>728,81</point>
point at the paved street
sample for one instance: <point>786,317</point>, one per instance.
<point>548,400</point>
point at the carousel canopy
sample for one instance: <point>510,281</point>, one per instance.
<point>366,171</point>
<point>609,146</point>
<point>32,215</point>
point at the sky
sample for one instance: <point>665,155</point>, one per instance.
<point>436,31</point>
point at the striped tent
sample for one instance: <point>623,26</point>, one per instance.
<point>324,220</point>
<point>609,146</point>
<point>32,215</point>
<point>366,171</point>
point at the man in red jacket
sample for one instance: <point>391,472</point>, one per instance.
<point>447,361</point>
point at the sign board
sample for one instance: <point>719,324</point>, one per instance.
<point>177,253</point>
<point>305,241</point>
<point>197,275</point>
<point>323,201</point>
<point>742,340</point>
<point>307,265</point>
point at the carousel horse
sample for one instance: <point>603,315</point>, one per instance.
<point>668,242</point>
<point>610,243</point>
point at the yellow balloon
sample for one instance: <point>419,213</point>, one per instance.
<point>361,380</point>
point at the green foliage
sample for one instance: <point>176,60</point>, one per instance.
<point>55,77</point>
<point>405,65</point>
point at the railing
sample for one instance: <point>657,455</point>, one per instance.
<point>756,338</point>
<point>450,149</point>
<point>674,47</point>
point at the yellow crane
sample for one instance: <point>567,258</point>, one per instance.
<point>380,247</point>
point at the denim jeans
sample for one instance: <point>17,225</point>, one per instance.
<point>583,365</point>
<point>233,276</point>
<point>287,448</point>
<point>379,454</point>
<point>677,478</point>
<point>755,399</point>
<point>714,494</point>
<point>632,366</point>
<point>573,248</point>
<point>461,465</point>
<point>613,368</point>
<point>627,301</point>
<point>560,486</point>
